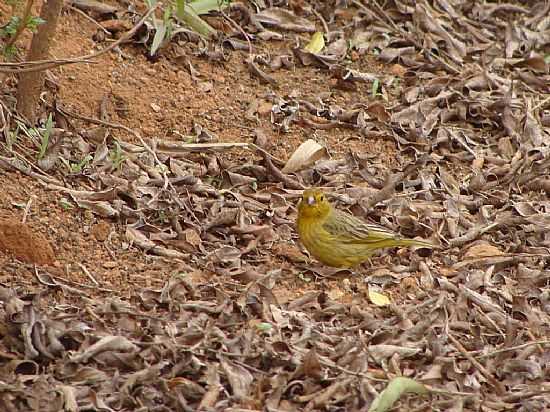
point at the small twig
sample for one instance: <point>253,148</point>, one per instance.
<point>91,19</point>
<point>448,393</point>
<point>496,384</point>
<point>323,22</point>
<point>499,259</point>
<point>538,106</point>
<point>6,163</point>
<point>473,234</point>
<point>252,368</point>
<point>523,395</point>
<point>51,282</point>
<point>175,147</point>
<point>27,208</point>
<point>57,278</point>
<point>532,336</point>
<point>87,272</point>
<point>239,28</point>
<point>512,348</point>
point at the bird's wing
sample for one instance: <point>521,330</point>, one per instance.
<point>350,229</point>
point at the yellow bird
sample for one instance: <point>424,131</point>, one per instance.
<point>339,239</point>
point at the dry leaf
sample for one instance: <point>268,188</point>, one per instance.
<point>482,250</point>
<point>377,298</point>
<point>307,153</point>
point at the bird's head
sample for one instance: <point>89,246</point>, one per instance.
<point>313,204</point>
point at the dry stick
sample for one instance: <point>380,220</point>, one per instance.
<point>496,384</point>
<point>532,336</point>
<point>513,348</point>
<point>239,28</point>
<point>94,6</point>
<point>54,283</point>
<point>87,272</point>
<point>496,259</point>
<point>473,234</point>
<point>58,282</point>
<point>538,106</point>
<point>37,65</point>
<point>95,22</point>
<point>523,395</point>
<point>49,64</point>
<point>27,208</point>
<point>323,22</point>
<point>448,393</point>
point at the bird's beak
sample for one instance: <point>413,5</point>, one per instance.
<point>310,200</point>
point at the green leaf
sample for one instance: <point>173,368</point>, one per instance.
<point>117,156</point>
<point>206,6</point>
<point>11,28</point>
<point>375,86</point>
<point>46,137</point>
<point>264,327</point>
<point>77,167</point>
<point>65,203</point>
<point>33,22</point>
<point>394,390</point>
<point>192,19</point>
<point>316,44</point>
<point>10,51</point>
<point>160,33</point>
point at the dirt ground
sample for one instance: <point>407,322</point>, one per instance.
<point>144,87</point>
<point>242,316</point>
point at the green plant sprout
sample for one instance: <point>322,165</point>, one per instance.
<point>77,167</point>
<point>12,30</point>
<point>116,156</point>
<point>65,203</point>
<point>45,137</point>
<point>375,88</point>
<point>187,12</point>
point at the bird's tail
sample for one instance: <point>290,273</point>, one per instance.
<point>396,241</point>
<point>415,242</point>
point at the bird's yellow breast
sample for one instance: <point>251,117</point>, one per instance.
<point>325,247</point>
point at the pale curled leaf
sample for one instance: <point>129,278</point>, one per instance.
<point>101,208</point>
<point>394,390</point>
<point>206,6</point>
<point>137,238</point>
<point>285,20</point>
<point>307,153</point>
<point>107,343</point>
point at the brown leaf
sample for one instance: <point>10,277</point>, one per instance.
<point>239,378</point>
